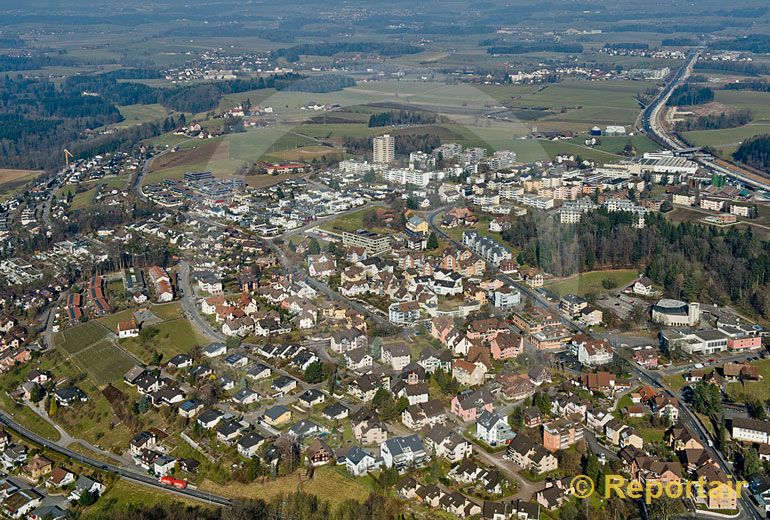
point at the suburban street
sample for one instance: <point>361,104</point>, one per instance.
<point>132,476</point>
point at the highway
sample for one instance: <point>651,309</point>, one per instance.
<point>137,478</point>
<point>651,125</point>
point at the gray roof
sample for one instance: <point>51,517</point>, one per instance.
<point>356,455</point>
<point>398,445</point>
<point>488,419</point>
<point>276,411</point>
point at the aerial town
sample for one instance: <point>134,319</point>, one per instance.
<point>311,297</point>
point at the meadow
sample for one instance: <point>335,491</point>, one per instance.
<point>591,282</point>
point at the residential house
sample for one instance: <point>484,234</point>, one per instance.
<point>493,429</point>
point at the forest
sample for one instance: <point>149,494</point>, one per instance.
<point>679,42</point>
<point>404,144</point>
<point>757,43</point>
<point>196,98</point>
<point>758,85</point>
<point>716,121</point>
<point>694,262</point>
<point>401,117</point>
<point>742,67</point>
<point>755,152</point>
<point>627,46</point>
<point>690,95</point>
<point>523,48</point>
<point>13,63</point>
<point>38,119</point>
<point>293,54</point>
<point>320,84</point>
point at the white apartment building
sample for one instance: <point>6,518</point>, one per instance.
<point>407,176</point>
<point>383,149</point>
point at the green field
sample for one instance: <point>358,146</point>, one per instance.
<point>752,389</point>
<point>727,140</point>
<point>352,222</point>
<point>591,282</point>
<point>77,338</point>
<point>137,114</point>
<point>104,362</point>
<point>577,104</point>
<point>223,156</point>
<point>83,199</point>
<point>174,337</point>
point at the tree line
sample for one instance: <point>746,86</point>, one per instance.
<point>757,85</point>
<point>627,46</point>
<point>756,43</point>
<point>755,151</point>
<point>196,98</point>
<point>716,121</point>
<point>401,117</point>
<point>523,48</point>
<point>404,144</point>
<point>322,83</point>
<point>742,67</point>
<point>679,42</point>
<point>692,261</point>
<point>293,54</point>
<point>689,94</point>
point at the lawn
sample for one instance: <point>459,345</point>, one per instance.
<point>482,228</point>
<point>352,222</point>
<point>303,153</point>
<point>124,497</point>
<point>648,433</point>
<point>83,199</point>
<point>174,337</point>
<point>591,282</point>
<point>615,145</point>
<point>94,421</point>
<point>167,311</point>
<point>28,418</point>
<point>81,336</point>
<point>328,483</point>
<point>752,389</point>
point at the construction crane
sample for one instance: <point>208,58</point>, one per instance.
<point>67,156</point>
